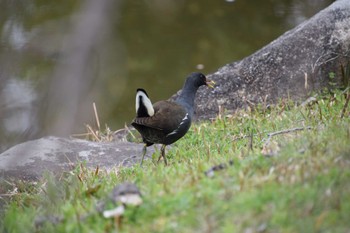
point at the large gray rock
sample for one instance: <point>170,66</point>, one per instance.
<point>29,160</point>
<point>279,70</point>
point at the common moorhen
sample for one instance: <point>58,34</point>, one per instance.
<point>167,121</point>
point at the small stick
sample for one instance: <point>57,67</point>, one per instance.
<point>78,135</point>
<point>305,83</point>
<point>288,131</point>
<point>345,105</point>
<point>247,136</point>
<point>242,137</point>
<point>93,133</point>
<point>127,128</point>
<point>96,116</point>
<point>270,135</point>
<point>250,145</point>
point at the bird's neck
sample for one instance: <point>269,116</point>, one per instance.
<point>186,99</point>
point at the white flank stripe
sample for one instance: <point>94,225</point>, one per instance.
<point>184,119</point>
<point>177,129</point>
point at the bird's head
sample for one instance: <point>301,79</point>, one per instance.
<point>199,79</point>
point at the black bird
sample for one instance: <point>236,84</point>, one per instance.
<point>166,122</point>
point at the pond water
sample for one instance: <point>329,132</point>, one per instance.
<point>58,57</point>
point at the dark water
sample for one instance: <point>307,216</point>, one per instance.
<point>57,57</point>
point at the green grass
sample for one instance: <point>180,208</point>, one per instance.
<point>297,181</point>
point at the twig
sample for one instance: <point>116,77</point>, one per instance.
<point>79,135</point>
<point>119,130</point>
<point>250,145</point>
<point>96,116</point>
<point>242,137</point>
<point>70,163</point>
<point>270,135</point>
<point>127,128</point>
<point>345,105</point>
<point>247,136</point>
<point>7,195</point>
<point>319,62</point>
<point>210,172</point>
<point>91,131</point>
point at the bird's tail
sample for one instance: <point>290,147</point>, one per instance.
<point>144,107</point>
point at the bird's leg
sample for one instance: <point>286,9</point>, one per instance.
<point>162,150</point>
<point>144,150</point>
<point>160,156</point>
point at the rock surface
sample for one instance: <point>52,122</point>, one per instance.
<point>292,66</point>
<point>29,160</point>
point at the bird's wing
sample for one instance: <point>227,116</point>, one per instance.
<point>167,116</point>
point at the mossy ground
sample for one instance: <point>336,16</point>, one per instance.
<point>294,181</point>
